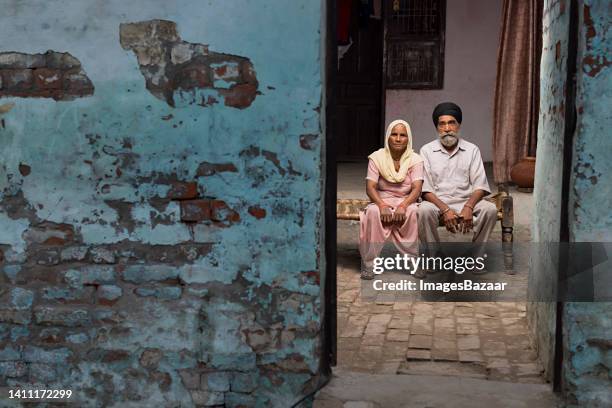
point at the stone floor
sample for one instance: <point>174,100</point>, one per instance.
<point>483,342</point>
<point>487,340</point>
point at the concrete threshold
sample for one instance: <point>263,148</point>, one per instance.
<point>353,389</point>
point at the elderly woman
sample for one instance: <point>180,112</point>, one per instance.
<point>393,184</point>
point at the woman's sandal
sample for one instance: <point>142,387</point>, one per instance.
<point>367,274</point>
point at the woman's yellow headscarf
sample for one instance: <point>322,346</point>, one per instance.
<point>383,160</point>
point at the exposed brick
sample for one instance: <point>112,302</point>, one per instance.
<point>174,65</point>
<point>77,84</point>
<point>233,361</point>
<point>108,294</point>
<point>10,60</point>
<point>24,169</point>
<point>165,292</point>
<point>218,381</point>
<point>46,78</point>
<point>61,60</point>
<point>257,212</point>
<point>67,294</point>
<point>48,258</point>
<point>181,53</point>
<point>91,275</point>
<point>52,335</point>
<point>191,378</point>
<point>183,190</point>
<point>240,96</point>
<point>162,379</point>
<point>15,316</point>
<point>18,79</point>
<point>206,169</point>
<point>207,398</point>
<point>150,273</point>
<point>227,72</point>
<point>307,142</point>
<point>62,316</point>
<point>102,255</point>
<point>74,253</point>
<point>150,358</point>
<point>244,382</point>
<point>193,75</point>
<point>195,210</point>
<point>220,211</point>
<point>112,356</point>
<point>49,233</point>
<point>235,400</point>
<point>21,298</point>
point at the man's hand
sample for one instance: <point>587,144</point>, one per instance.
<point>399,216</point>
<point>467,223</point>
<point>450,220</point>
<point>386,216</point>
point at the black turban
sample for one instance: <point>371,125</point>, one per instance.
<point>446,108</point>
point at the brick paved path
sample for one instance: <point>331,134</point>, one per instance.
<point>477,339</point>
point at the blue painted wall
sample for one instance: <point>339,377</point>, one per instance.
<point>588,326</point>
<point>587,334</point>
<point>233,315</point>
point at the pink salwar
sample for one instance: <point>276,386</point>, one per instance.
<point>372,233</point>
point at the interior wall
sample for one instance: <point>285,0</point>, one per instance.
<point>472,34</point>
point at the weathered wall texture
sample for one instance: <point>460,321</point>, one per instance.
<point>587,327</point>
<point>549,174</point>
<point>159,233</point>
<point>472,38</point>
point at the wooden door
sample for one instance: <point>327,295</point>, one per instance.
<point>359,90</point>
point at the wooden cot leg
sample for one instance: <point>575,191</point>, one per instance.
<point>507,233</point>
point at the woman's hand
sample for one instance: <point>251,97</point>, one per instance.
<point>386,215</point>
<point>399,216</point>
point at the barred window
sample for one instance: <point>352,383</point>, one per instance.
<point>414,43</point>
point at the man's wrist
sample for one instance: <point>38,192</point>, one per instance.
<point>447,209</point>
<point>469,206</point>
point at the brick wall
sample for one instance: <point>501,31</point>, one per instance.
<point>56,75</point>
<point>159,239</point>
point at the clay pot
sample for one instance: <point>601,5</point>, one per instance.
<point>523,172</point>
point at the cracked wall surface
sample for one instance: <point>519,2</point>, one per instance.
<point>174,68</point>
<point>156,253</point>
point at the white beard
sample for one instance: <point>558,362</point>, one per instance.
<point>449,139</point>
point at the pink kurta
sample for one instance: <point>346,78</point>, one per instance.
<point>372,233</point>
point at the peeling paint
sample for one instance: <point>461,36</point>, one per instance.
<point>172,66</point>
<point>132,304</point>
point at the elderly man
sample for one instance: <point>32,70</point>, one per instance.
<point>455,182</point>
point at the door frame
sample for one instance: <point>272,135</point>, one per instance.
<point>329,343</point>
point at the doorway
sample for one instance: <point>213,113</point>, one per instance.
<point>358,81</point>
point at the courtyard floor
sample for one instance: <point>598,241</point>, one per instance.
<point>482,342</point>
